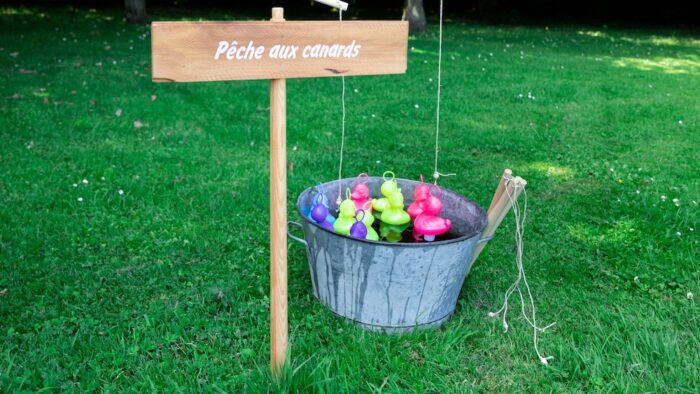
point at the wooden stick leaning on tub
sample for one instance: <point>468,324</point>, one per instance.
<point>507,175</point>
<point>510,192</point>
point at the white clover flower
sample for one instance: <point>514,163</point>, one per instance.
<point>121,192</point>
<point>637,191</point>
<point>75,185</point>
<point>678,233</point>
<point>80,199</point>
<point>689,295</point>
<point>663,198</point>
<point>680,122</point>
<point>85,181</point>
<point>416,106</point>
<point>676,202</point>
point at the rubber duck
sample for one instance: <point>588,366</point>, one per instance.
<point>358,229</point>
<point>368,220</point>
<point>360,193</point>
<point>388,187</point>
<point>428,225</point>
<point>320,198</point>
<point>319,214</point>
<point>421,193</point>
<point>346,217</point>
<point>393,213</point>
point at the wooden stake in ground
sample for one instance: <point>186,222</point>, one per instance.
<point>278,216</point>
<point>276,50</point>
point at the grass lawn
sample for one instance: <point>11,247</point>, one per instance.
<point>136,258</point>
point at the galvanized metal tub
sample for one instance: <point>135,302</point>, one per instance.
<point>391,287</point>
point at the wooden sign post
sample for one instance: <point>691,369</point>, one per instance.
<point>275,50</point>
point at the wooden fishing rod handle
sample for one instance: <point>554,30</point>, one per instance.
<point>507,175</point>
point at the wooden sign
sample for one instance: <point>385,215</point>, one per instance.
<point>276,50</point>
<point>223,51</point>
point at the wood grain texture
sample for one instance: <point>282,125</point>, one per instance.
<point>507,174</point>
<point>278,219</point>
<point>185,51</point>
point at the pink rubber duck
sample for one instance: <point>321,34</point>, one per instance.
<point>421,193</point>
<point>360,194</point>
<point>427,225</point>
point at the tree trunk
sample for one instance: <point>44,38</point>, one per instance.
<point>135,11</point>
<point>415,14</point>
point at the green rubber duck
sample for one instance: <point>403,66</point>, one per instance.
<point>394,213</point>
<point>388,187</point>
<point>368,220</point>
<point>346,217</point>
<point>372,235</point>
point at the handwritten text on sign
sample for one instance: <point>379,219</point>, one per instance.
<point>220,51</point>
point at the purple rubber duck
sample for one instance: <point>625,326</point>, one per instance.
<point>358,229</point>
<point>319,213</point>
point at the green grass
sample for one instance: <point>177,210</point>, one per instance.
<point>165,287</point>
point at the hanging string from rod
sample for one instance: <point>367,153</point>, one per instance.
<point>520,213</point>
<point>436,173</point>
<point>342,128</point>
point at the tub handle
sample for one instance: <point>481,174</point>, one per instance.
<point>484,240</point>
<point>294,237</point>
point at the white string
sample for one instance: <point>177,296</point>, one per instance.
<point>342,131</point>
<point>436,173</point>
<point>519,235</point>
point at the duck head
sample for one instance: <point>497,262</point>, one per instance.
<point>396,199</point>
<point>360,192</point>
<point>432,206</point>
<point>347,208</point>
<point>422,191</point>
<point>390,185</point>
